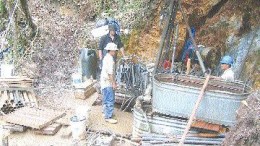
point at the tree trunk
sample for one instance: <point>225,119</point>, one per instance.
<point>25,9</point>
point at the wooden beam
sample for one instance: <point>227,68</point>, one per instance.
<point>192,116</point>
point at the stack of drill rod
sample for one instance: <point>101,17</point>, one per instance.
<point>9,107</point>
<point>16,92</point>
<point>132,76</point>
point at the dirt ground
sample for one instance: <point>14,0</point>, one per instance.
<point>68,102</point>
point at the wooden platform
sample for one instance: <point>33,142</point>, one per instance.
<point>33,117</point>
<point>16,81</point>
<point>84,90</point>
<point>17,89</point>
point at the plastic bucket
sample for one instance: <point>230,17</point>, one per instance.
<point>7,70</point>
<point>76,78</point>
<point>78,127</point>
<point>83,111</point>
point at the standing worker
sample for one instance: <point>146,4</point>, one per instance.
<point>108,83</point>
<point>228,74</point>
<point>111,37</point>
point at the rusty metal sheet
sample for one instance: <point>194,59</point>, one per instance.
<point>33,117</point>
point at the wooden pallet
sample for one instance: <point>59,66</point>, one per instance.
<point>49,130</point>
<point>84,90</point>
<point>33,117</point>
<point>17,88</point>
<point>26,97</point>
<point>16,81</point>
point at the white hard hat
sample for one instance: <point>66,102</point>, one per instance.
<point>111,46</point>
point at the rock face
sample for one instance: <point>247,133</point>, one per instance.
<point>230,26</point>
<point>246,132</point>
<point>242,49</point>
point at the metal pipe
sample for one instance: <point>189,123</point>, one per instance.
<point>174,45</point>
<point>163,37</point>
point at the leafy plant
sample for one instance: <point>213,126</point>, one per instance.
<point>2,8</point>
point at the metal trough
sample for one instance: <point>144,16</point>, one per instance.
<point>176,95</point>
<point>145,123</point>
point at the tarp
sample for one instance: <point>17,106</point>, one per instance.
<point>102,27</point>
<point>188,47</point>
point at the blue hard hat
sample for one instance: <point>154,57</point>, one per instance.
<point>227,60</point>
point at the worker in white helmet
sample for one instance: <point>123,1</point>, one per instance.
<point>108,83</point>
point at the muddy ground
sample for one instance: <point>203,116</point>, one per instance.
<point>69,103</point>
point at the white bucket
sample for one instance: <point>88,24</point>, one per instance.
<point>4,136</point>
<point>78,127</point>
<point>76,78</point>
<point>7,70</point>
<point>83,111</point>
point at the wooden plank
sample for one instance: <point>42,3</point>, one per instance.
<point>207,126</point>
<point>16,79</point>
<point>4,98</point>
<point>66,119</point>
<point>49,130</point>
<point>20,94</point>
<point>66,132</point>
<point>79,94</point>
<point>90,92</point>
<point>18,97</point>
<point>33,117</point>
<point>14,127</point>
<point>14,88</point>
<point>11,95</point>
<point>26,99</point>
<point>32,99</point>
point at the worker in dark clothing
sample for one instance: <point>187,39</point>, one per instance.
<point>111,37</point>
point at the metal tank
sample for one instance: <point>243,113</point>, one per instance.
<point>176,95</point>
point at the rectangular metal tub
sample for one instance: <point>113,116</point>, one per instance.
<point>218,106</point>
